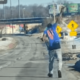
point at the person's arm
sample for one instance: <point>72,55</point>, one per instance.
<point>54,26</point>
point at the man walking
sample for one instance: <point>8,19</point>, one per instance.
<point>52,40</point>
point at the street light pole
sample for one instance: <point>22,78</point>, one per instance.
<point>10,8</point>
<point>23,12</point>
<point>19,7</point>
<point>11,13</point>
<point>19,12</point>
<point>3,12</point>
<point>4,17</point>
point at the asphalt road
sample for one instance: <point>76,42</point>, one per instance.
<point>29,61</point>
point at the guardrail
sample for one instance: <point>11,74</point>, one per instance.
<point>21,20</point>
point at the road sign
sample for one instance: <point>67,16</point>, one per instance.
<point>51,8</point>
<point>65,9</point>
<point>74,33</point>
<point>63,6</point>
<point>73,26</point>
<point>72,8</point>
<point>58,30</point>
<point>3,1</point>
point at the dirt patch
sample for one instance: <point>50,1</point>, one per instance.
<point>7,44</point>
<point>12,44</point>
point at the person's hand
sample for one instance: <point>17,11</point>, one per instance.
<point>46,39</point>
<point>41,39</point>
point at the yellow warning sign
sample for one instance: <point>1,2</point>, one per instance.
<point>58,30</point>
<point>73,26</point>
<point>73,33</point>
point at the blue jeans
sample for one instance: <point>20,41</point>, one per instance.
<point>51,59</point>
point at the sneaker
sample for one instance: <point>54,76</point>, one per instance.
<point>59,74</point>
<point>50,75</point>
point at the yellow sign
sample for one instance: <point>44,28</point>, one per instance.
<point>58,30</point>
<point>73,33</point>
<point>73,26</point>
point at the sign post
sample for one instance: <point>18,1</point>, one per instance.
<point>51,8</point>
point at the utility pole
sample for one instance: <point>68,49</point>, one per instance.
<point>11,8</point>
<point>4,17</point>
<point>19,12</point>
<point>3,11</point>
<point>19,7</point>
<point>11,14</point>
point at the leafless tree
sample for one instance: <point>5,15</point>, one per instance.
<point>63,2</point>
<point>29,11</point>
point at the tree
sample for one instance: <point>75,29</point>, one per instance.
<point>63,2</point>
<point>30,11</point>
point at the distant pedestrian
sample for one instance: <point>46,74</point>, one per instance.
<point>52,40</point>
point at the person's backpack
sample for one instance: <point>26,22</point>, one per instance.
<point>55,45</point>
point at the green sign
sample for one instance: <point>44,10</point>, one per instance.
<point>79,7</point>
<point>72,8</point>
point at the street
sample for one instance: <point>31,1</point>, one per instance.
<point>29,61</point>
